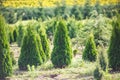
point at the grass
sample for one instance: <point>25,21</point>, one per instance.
<point>78,70</point>
<point>49,72</point>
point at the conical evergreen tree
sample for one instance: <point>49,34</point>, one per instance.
<point>42,54</point>
<point>45,43</point>
<point>98,73</point>
<point>102,59</point>
<point>102,63</point>
<point>11,38</point>
<point>20,35</point>
<point>114,48</point>
<point>90,52</point>
<point>13,59</point>
<point>30,51</point>
<point>62,51</point>
<point>5,60</point>
<point>15,34</point>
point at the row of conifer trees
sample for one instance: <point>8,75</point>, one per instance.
<point>35,49</point>
<point>105,59</point>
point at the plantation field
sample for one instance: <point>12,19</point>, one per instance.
<point>78,70</point>
<point>47,71</point>
<point>59,40</point>
<point>50,3</point>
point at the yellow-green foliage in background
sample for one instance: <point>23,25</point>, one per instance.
<point>50,3</point>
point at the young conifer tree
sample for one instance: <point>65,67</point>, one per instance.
<point>90,51</point>
<point>41,50</point>
<point>114,48</point>
<point>11,38</point>
<point>44,42</point>
<point>103,59</point>
<point>15,34</point>
<point>98,73</point>
<point>20,36</point>
<point>62,51</point>
<point>5,60</point>
<point>102,63</point>
<point>30,50</point>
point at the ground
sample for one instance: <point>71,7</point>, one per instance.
<point>78,70</point>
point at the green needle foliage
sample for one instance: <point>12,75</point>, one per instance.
<point>5,60</point>
<point>103,59</point>
<point>30,50</point>
<point>15,34</point>
<point>20,35</point>
<point>114,48</point>
<point>11,38</point>
<point>102,64</point>
<point>42,54</point>
<point>98,7</point>
<point>90,52</point>
<point>87,9</point>
<point>13,59</point>
<point>45,43</point>
<point>62,51</point>
<point>98,74</point>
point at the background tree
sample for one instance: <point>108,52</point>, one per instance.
<point>102,30</point>
<point>5,60</point>
<point>30,51</point>
<point>114,48</point>
<point>98,7</point>
<point>87,9</point>
<point>72,28</point>
<point>90,51</point>
<point>61,9</point>
<point>1,2</point>
<point>51,26</point>
<point>62,51</point>
<point>75,11</point>
<point>41,11</point>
